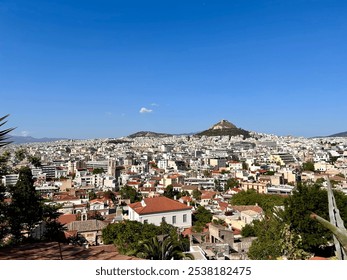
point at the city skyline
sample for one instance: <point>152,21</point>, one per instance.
<point>109,69</point>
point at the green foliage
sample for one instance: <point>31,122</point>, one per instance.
<point>26,208</point>
<point>4,133</point>
<point>131,236</point>
<point>20,154</point>
<point>128,192</point>
<point>248,231</point>
<point>231,183</point>
<point>340,233</point>
<point>4,168</point>
<point>110,195</point>
<point>219,222</point>
<point>298,207</point>
<point>291,244</point>
<point>92,195</point>
<point>266,201</point>
<point>267,246</point>
<point>36,161</point>
<point>98,170</point>
<point>169,192</point>
<point>3,214</point>
<point>196,194</point>
<point>163,248</point>
<point>333,159</point>
<point>201,217</point>
<point>308,166</point>
<point>245,166</point>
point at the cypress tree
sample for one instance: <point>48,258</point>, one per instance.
<point>26,209</point>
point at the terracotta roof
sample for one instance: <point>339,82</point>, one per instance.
<point>186,199</point>
<point>318,259</point>
<point>50,251</point>
<point>157,205</point>
<point>207,194</point>
<point>67,218</point>
<point>223,205</point>
<point>97,200</point>
<point>89,225</point>
<point>241,208</point>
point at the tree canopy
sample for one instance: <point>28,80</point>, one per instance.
<point>251,197</point>
<point>26,208</point>
<point>128,192</point>
<point>142,240</point>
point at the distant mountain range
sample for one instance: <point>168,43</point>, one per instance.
<point>29,139</point>
<point>149,134</point>
<point>341,134</point>
<point>222,128</point>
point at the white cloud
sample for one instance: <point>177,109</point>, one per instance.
<point>155,105</point>
<point>144,110</point>
<point>25,133</point>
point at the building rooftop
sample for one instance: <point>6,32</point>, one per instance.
<point>50,251</point>
<point>158,205</point>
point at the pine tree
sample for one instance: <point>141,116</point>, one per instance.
<point>26,209</point>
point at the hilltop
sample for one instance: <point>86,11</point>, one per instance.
<point>341,134</point>
<point>224,128</point>
<point>149,134</point>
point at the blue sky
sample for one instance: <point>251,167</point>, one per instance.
<point>96,69</point>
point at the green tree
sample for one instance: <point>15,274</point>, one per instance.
<point>4,133</point>
<point>4,168</point>
<point>308,166</point>
<point>98,170</point>
<point>196,194</point>
<point>20,154</point>
<point>36,161</point>
<point>245,166</point>
<point>201,217</point>
<point>130,237</point>
<point>3,171</point>
<point>163,248</point>
<point>207,173</point>
<point>231,183</point>
<point>267,246</point>
<point>308,198</point>
<point>26,209</point>
<point>110,195</point>
<point>3,214</point>
<point>128,192</point>
<point>248,231</point>
<point>171,193</point>
<point>250,197</point>
<point>92,195</point>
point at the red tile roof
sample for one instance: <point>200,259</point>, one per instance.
<point>67,218</point>
<point>157,205</point>
<point>241,208</point>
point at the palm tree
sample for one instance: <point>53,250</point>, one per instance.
<point>3,133</point>
<point>165,249</point>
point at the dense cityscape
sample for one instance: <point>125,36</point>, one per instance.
<point>208,196</point>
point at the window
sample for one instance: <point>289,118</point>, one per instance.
<point>184,218</point>
<point>145,221</point>
<point>173,220</point>
<point>163,220</point>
